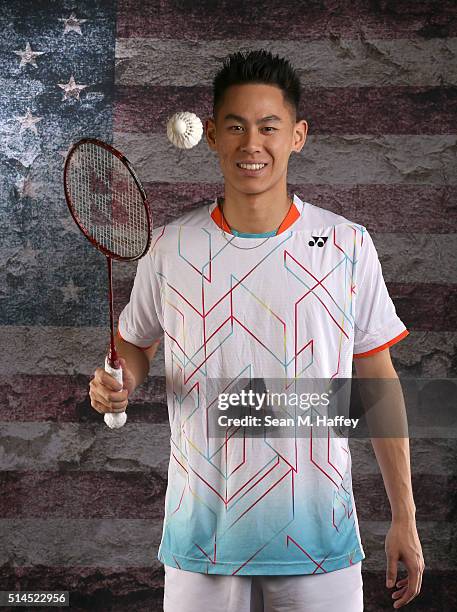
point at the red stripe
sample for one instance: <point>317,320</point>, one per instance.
<point>405,208</point>
<point>65,398</point>
<point>289,19</point>
<point>338,110</point>
<point>137,495</point>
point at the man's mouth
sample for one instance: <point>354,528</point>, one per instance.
<point>251,169</point>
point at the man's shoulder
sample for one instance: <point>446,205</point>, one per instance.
<point>318,217</point>
<point>198,217</point>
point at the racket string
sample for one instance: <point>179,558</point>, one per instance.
<point>107,201</point>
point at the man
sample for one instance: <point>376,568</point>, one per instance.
<point>258,284</point>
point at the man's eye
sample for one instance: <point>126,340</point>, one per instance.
<point>235,128</point>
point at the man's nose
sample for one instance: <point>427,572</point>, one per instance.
<point>251,141</point>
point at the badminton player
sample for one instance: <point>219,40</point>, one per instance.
<point>259,283</point>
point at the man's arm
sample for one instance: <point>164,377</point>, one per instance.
<point>392,454</point>
<point>137,360</point>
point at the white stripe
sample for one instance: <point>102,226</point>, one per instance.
<point>134,543</point>
<point>319,63</point>
<point>396,254</point>
<point>59,350</point>
<point>326,160</point>
<point>45,445</point>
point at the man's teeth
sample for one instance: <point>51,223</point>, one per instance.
<point>251,166</point>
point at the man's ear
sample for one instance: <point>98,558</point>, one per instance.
<point>300,133</point>
<point>210,133</point>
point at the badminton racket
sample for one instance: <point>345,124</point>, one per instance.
<point>109,205</point>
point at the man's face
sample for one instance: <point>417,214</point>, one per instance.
<point>254,124</point>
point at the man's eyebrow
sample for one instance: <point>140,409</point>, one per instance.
<point>242,119</point>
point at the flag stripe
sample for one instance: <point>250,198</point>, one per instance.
<point>321,63</point>
<point>64,398</point>
<point>344,160</point>
<point>338,110</point>
<point>132,543</point>
<point>84,446</point>
<point>125,587</point>
<point>136,495</point>
<point>235,19</point>
<point>405,208</point>
<point>79,350</point>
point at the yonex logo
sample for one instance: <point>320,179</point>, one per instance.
<point>319,240</point>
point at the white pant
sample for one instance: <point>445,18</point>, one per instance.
<point>340,590</point>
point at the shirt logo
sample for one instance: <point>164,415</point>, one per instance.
<point>319,240</point>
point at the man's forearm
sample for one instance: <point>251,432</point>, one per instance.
<point>386,413</point>
<point>393,458</point>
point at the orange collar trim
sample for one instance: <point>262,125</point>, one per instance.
<point>289,219</point>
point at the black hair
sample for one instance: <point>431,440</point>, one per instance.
<point>257,67</point>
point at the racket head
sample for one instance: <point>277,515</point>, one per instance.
<point>100,179</point>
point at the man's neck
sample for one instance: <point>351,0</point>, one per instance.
<point>257,213</point>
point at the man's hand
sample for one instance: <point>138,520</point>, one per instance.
<point>105,392</point>
<point>402,544</point>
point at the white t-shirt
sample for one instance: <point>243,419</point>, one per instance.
<point>301,304</point>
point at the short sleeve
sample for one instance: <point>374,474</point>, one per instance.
<point>377,325</point>
<point>140,322</point>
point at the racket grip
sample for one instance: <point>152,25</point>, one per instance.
<point>114,420</point>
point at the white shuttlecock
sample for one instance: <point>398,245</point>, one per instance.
<point>184,130</point>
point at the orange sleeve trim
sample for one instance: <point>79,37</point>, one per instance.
<point>143,348</point>
<point>383,346</point>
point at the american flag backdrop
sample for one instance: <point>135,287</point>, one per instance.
<point>81,506</point>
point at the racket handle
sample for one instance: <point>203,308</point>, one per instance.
<point>114,420</point>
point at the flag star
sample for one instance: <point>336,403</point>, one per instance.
<point>29,253</point>
<point>28,122</point>
<point>71,292</point>
<point>28,188</point>
<point>71,89</point>
<point>28,56</point>
<point>72,24</point>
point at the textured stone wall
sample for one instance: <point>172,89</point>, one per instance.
<point>81,506</point>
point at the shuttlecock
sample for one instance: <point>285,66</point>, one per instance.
<point>184,130</point>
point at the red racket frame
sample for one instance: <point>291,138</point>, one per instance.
<point>112,355</point>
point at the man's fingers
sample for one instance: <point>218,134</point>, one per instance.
<point>399,593</point>
<point>110,391</point>
<point>420,581</point>
<point>115,397</point>
<point>414,576</point>
<point>391,573</point>
<point>102,408</point>
<point>110,382</point>
<point>111,402</point>
<point>106,380</point>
